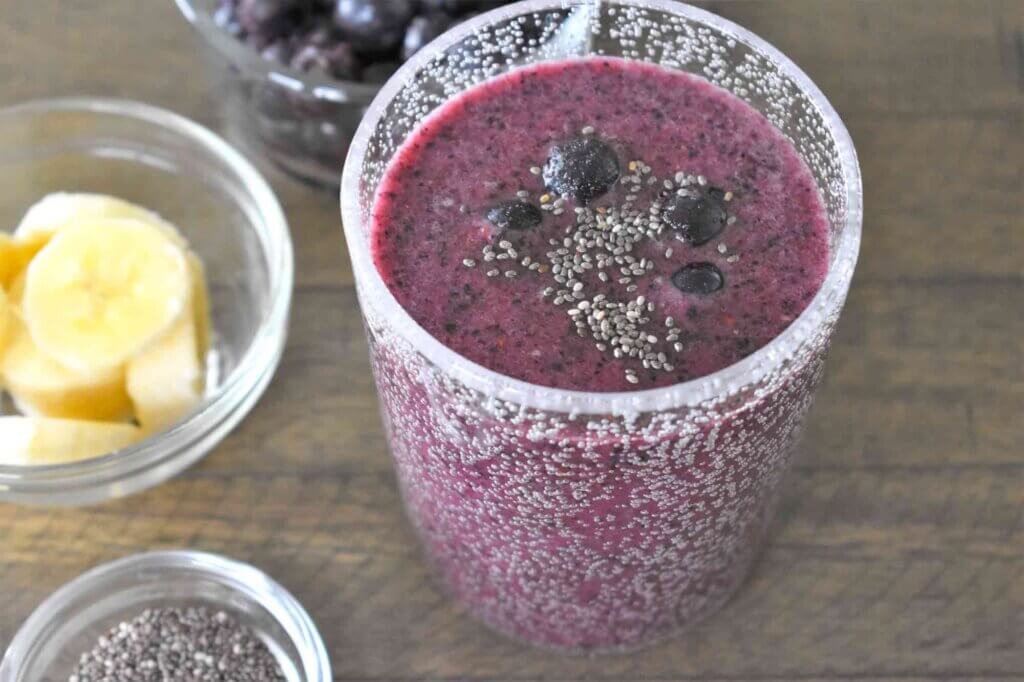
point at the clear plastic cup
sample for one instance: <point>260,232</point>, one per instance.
<point>596,521</point>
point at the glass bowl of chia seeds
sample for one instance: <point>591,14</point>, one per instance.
<point>184,614</point>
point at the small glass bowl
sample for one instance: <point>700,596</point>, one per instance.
<point>68,624</point>
<point>300,122</point>
<point>233,222</point>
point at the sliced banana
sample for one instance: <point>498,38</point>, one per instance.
<point>41,386</point>
<point>201,305</point>
<point>102,291</point>
<point>56,211</point>
<point>15,255</point>
<point>5,313</point>
<point>166,382</point>
<point>33,441</point>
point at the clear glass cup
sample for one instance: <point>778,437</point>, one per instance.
<point>231,219</point>
<point>300,122</point>
<point>498,476</point>
<point>69,622</point>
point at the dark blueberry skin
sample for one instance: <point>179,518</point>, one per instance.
<point>422,30</point>
<point>514,215</point>
<point>338,61</point>
<point>268,19</point>
<point>278,51</point>
<point>462,7</point>
<point>700,218</point>
<point>698,278</point>
<point>373,26</point>
<point>583,168</point>
<point>321,34</point>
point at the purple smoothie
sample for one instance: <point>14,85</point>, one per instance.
<point>607,531</point>
<point>477,151</point>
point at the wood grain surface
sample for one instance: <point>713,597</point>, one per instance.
<point>899,553</point>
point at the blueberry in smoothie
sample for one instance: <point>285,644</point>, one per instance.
<point>699,216</point>
<point>514,214</point>
<point>582,168</point>
<point>595,225</point>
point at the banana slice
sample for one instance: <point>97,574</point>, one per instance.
<point>15,255</point>
<point>200,305</point>
<point>5,324</point>
<point>102,291</point>
<point>166,381</point>
<point>9,259</point>
<point>32,441</point>
<point>41,386</point>
<point>56,211</point>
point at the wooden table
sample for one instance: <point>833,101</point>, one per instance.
<point>899,554</point>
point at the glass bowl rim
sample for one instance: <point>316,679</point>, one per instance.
<point>260,358</point>
<point>241,577</point>
<point>690,393</point>
<point>250,62</point>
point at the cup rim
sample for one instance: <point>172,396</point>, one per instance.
<point>77,482</point>
<point>241,577</point>
<point>250,61</point>
<point>685,394</point>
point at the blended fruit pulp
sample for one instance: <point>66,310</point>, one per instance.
<point>477,152</point>
<point>598,225</point>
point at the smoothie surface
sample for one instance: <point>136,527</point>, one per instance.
<point>633,288</point>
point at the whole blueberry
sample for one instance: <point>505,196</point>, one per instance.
<point>584,167</point>
<point>337,61</point>
<point>698,217</point>
<point>698,278</point>
<point>462,7</point>
<point>374,26</point>
<point>514,215</point>
<point>279,51</point>
<point>422,30</point>
<point>321,33</point>
<point>268,18</point>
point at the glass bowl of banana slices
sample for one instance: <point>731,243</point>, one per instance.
<point>145,283</point>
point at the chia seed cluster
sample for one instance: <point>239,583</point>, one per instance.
<point>186,645</point>
<point>603,239</point>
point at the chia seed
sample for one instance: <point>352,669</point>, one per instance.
<point>167,644</point>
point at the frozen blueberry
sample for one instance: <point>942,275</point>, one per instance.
<point>279,51</point>
<point>374,26</point>
<point>422,30</point>
<point>514,215</point>
<point>698,218</point>
<point>698,278</point>
<point>337,61</point>
<point>583,167</point>
<point>267,18</point>
<point>321,34</point>
<point>462,7</point>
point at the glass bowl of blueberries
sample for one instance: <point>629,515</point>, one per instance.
<point>297,75</point>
